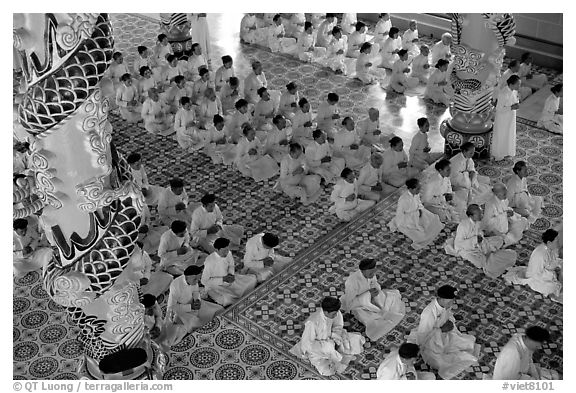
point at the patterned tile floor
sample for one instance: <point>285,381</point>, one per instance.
<point>251,339</point>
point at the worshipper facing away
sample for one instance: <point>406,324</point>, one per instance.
<point>207,225</point>
<point>295,180</point>
<point>30,249</point>
<point>173,203</point>
<point>289,101</point>
<point>420,66</point>
<point>224,73</point>
<point>382,28</point>
<point>234,128</point>
<point>530,79</point>
<point>140,179</point>
<point>552,118</point>
<point>347,145</point>
<point>395,168</point>
<point>128,100</point>
<point>336,51</point>
<point>519,198</point>
<point>277,40</point>
<point>215,143</point>
<point>516,359</point>
<point>419,153</point>
<point>302,124</point>
<point>399,365</point>
<point>504,136</point>
<point>261,258</point>
<point>347,203</point>
<point>154,283</point>
<point>413,220</point>
<point>438,196</point>
<point>319,157</point>
<point>156,121</point>
<point>442,345</point>
<point>186,126</point>
<point>369,131</point>
<point>325,342</point>
<point>441,49</point>
<point>328,115</point>
<point>500,219</point>
<point>437,89</point>
<point>410,39</point>
<point>463,176</point>
<point>251,160</point>
<point>544,271</point>
<point>187,308</point>
<point>483,252</point>
<point>370,185</point>
<point>222,283</point>
<point>229,94</point>
<point>364,63</point>
<point>175,251</point>
<point>400,81</point>
<point>390,48</point>
<point>324,32</point>
<point>379,310</point>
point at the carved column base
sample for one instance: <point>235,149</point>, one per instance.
<point>181,47</point>
<point>454,138</point>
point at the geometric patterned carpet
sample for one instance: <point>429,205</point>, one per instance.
<point>251,339</point>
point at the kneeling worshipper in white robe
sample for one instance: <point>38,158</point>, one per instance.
<point>516,359</point>
<point>544,271</point>
<point>251,159</point>
<point>156,121</point>
<point>370,179</point>
<point>222,283</point>
<point>420,65</point>
<point>210,106</point>
<point>413,220</point>
<point>410,39</point>
<point>395,168</point>
<point>399,365</point>
<point>289,101</point>
<point>154,283</point>
<point>370,132</point>
<point>30,251</point>
<point>306,48</point>
<point>347,204</point>
<point>328,115</point>
<point>442,345</point>
<point>530,79</point>
<point>347,145</point>
<point>483,252</point>
<point>348,22</point>
<point>324,31</point>
<point>302,124</point>
<point>504,135</point>
<point>364,64</point>
<point>173,203</point>
<point>400,81</point>
<point>437,88</point>
<point>419,153</point>
<point>236,121</point>
<point>295,180</point>
<point>260,257</point>
<point>441,49</point>
<point>382,28</point>
<point>551,117</point>
<point>140,178</point>
<point>224,72</point>
<point>128,100</point>
<point>264,111</point>
<point>390,48</point>
<point>500,219</point>
<point>248,29</point>
<point>295,25</point>
<point>519,197</point>
<point>325,342</point>
<point>336,52</point>
<point>320,159</point>
<point>229,94</point>
<point>463,176</point>
<point>438,196</point>
<point>186,126</point>
<point>277,40</point>
<point>175,251</point>
<point>377,309</point>
<point>187,308</point>
<point>216,147</point>
<point>277,139</point>
<point>256,80</point>
<point>207,225</point>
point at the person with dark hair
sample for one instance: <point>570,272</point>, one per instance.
<point>201,35</point>
<point>179,89</point>
<point>516,359</point>
<point>438,196</point>
<point>500,219</point>
<point>324,34</point>
<point>154,283</point>
<point>529,79</point>
<point>442,345</point>
<point>320,158</point>
<point>197,61</point>
<point>519,197</point>
<point>175,251</point>
<point>420,65</point>
<point>187,308</point>
<point>419,153</point>
<point>251,159</point>
<point>552,118</point>
<point>161,50</point>
<point>30,250</point>
<point>264,111</point>
<point>117,69</point>
<point>504,135</point>
<point>302,123</point>
<point>295,180</point>
<point>466,182</point>
<point>223,284</point>
<point>544,272</point>
<point>201,85</point>
<point>215,142</point>
<point>173,203</point>
<point>370,185</point>
<point>229,94</point>
<point>345,199</point>
<point>395,168</point>
<point>382,28</point>
<point>399,365</point>
<point>128,100</point>
<point>152,315</point>
<point>261,258</point>
<point>413,220</point>
<point>364,63</point>
<point>400,81</point>
<point>254,81</point>
<point>224,72</point>
<point>306,48</point>
<point>155,113</point>
<point>295,25</point>
<point>390,47</point>
<point>438,89</point>
<point>410,39</point>
<point>277,40</point>
<point>336,50</point>
<point>377,309</point>
<point>209,106</point>
<point>347,145</point>
<point>208,225</point>
<point>240,117</point>
<point>186,126</point>
<point>513,68</point>
<point>328,115</point>
<point>325,342</point>
<point>289,101</point>
<point>174,68</point>
<point>484,252</point>
<point>146,82</point>
<point>140,179</point>
<point>370,132</point>
<point>357,39</point>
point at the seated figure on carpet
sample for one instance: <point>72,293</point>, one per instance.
<point>441,49</point>
<point>370,133</point>
<point>420,65</point>
<point>390,48</point>
<point>419,153</point>
<point>519,197</point>
<point>251,159</point>
<point>173,203</point>
<point>289,101</point>
<point>295,180</point>
<point>230,94</point>
<point>128,100</point>
<point>155,115</point>
<point>215,145</point>
<point>552,118</point>
<point>147,82</point>
<point>399,365</point>
<point>400,81</point>
<point>175,251</point>
<point>396,169</point>
<point>264,111</point>
<point>439,197</point>
<point>382,28</point>
<point>528,78</point>
<point>336,52</point>
<point>171,98</point>
<point>306,48</point>
<point>465,179</point>
<point>224,73</point>
<point>347,203</point>
<point>201,85</point>
<point>364,64</point>
<point>261,258</point>
<point>347,145</point>
<point>209,106</point>
<point>303,123</point>
<point>321,160</point>
<point>277,40</point>
<point>370,185</point>
<point>438,90</point>
<point>324,32</point>
<point>234,127</point>
<point>154,283</point>
<point>328,115</point>
<point>140,178</point>
<point>186,126</point>
<point>410,39</point>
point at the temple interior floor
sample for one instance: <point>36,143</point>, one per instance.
<point>251,339</point>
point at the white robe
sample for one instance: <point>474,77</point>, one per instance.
<point>451,352</point>
<point>324,118</point>
<point>389,46</point>
<point>440,94</point>
<point>418,70</point>
<point>363,69</point>
<point>355,158</point>
<point>304,186</point>
<point>366,129</point>
<point>306,48</point>
<point>393,175</point>
<point>394,368</point>
<point>169,258</point>
<point>349,23</point>
<point>286,107</point>
<point>319,340</point>
<point>399,81</point>
<point>347,210</point>
<point>504,135</point>
<point>434,200</point>
<point>536,82</point>
<point>187,135</point>
<point>200,33</point>
<point>412,48</point>
<point>167,202</point>
<point>251,85</point>
<point>419,158</point>
<point>439,51</point>
<point>140,179</point>
<point>300,133</point>
<point>282,44</point>
<point>381,30</point>
<point>496,221</point>
<point>208,109</point>
<point>549,119</point>
<point>327,170</point>
<point>333,60</point>
<point>202,220</point>
<point>224,293</point>
<point>324,33</point>
<point>415,222</point>
<point>259,166</point>
<point>234,125</point>
<point>248,30</point>
<point>255,255</point>
<point>125,95</point>
<point>158,282</point>
<point>155,118</point>
<point>379,314</point>
<point>475,191</point>
<point>515,361</point>
<point>222,76</point>
<point>520,199</point>
<point>368,178</point>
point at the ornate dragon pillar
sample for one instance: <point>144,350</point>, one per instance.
<point>478,51</point>
<point>177,29</point>
<point>91,210</point>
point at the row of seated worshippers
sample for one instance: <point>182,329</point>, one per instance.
<point>442,346</point>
